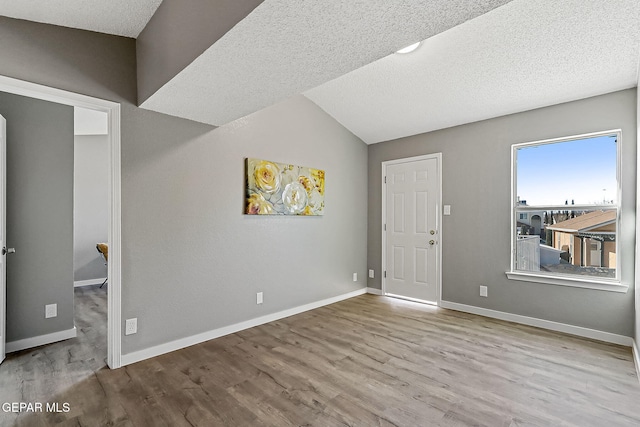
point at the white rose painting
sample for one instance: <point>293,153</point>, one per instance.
<point>282,189</point>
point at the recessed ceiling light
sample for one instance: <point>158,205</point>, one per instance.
<point>409,48</point>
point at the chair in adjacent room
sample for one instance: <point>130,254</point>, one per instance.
<point>103,248</point>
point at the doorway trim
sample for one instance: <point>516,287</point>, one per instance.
<point>114,271</point>
<point>385,164</point>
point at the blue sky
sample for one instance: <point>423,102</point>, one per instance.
<point>576,170</point>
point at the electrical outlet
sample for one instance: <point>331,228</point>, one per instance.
<point>447,210</point>
<point>355,277</point>
<point>483,291</point>
<point>371,274</point>
<point>50,310</point>
<point>131,326</point>
<point>259,298</point>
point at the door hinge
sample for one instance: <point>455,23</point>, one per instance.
<point>385,273</point>
<point>385,179</point>
<point>385,227</point>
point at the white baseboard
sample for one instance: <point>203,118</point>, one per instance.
<point>79,283</point>
<point>541,323</point>
<point>636,358</point>
<point>150,352</point>
<point>40,340</point>
<point>374,291</point>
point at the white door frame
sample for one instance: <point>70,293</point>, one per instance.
<point>45,93</point>
<point>438,157</point>
<point>3,236</point>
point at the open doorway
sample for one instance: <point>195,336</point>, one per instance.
<point>112,111</point>
<point>91,229</point>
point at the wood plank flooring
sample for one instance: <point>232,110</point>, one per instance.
<point>367,361</point>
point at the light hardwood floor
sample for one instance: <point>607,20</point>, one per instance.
<point>369,361</point>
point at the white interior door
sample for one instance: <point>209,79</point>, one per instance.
<point>411,248</point>
<point>3,233</point>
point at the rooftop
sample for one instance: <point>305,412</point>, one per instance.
<point>585,222</point>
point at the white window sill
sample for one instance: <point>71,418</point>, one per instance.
<point>576,282</point>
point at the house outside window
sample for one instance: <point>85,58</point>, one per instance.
<point>565,216</point>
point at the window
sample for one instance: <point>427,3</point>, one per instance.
<point>571,184</point>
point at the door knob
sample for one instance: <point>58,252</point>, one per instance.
<point>8,251</point>
<point>432,242</point>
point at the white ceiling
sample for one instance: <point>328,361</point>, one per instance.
<point>523,55</point>
<point>285,47</point>
<point>120,17</point>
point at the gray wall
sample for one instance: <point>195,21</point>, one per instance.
<point>90,205</point>
<point>192,261</point>
<point>79,61</point>
<point>477,184</point>
<point>39,215</point>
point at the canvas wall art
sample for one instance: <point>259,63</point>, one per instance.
<point>283,189</point>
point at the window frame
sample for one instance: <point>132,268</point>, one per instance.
<point>590,282</point>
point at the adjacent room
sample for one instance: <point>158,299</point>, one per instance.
<point>276,212</point>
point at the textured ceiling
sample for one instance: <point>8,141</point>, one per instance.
<point>481,59</point>
<point>285,47</point>
<point>524,55</point>
<point>120,17</point>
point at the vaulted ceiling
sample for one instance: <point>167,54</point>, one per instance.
<point>479,59</point>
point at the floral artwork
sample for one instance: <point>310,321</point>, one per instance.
<point>282,189</point>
